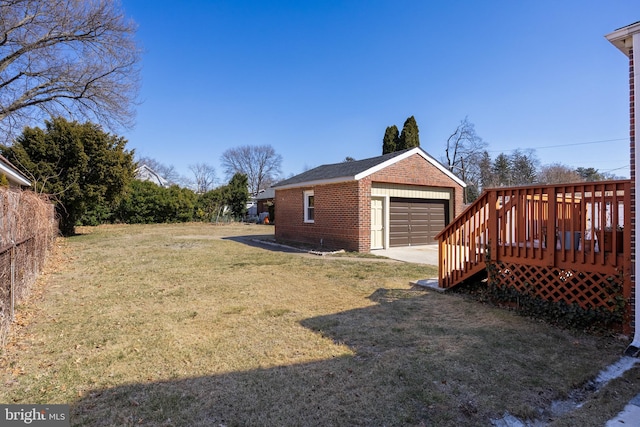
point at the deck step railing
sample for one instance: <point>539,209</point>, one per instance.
<point>462,244</point>
<point>568,226</point>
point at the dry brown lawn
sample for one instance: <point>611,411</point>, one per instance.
<point>190,325</point>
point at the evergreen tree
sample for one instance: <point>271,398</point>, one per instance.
<point>502,170</point>
<point>409,137</point>
<point>524,166</point>
<point>211,204</point>
<point>390,140</point>
<point>238,194</point>
<point>589,174</point>
<point>80,165</point>
<point>487,178</point>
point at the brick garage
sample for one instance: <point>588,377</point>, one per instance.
<point>330,207</point>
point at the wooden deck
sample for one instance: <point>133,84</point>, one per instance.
<point>568,242</point>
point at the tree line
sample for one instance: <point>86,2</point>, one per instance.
<point>89,175</point>
<point>467,157</point>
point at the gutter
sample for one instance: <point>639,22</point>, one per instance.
<point>13,175</point>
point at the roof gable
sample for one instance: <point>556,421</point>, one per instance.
<point>359,169</point>
<point>145,173</point>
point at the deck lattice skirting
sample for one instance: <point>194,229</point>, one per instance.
<point>588,290</point>
<point>567,243</point>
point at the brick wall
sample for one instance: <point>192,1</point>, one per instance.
<point>417,171</point>
<point>337,218</point>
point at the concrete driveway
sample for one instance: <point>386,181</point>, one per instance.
<point>424,254</point>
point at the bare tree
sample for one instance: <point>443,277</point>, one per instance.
<point>204,176</point>
<point>261,164</point>
<point>557,173</point>
<point>72,58</point>
<point>464,154</point>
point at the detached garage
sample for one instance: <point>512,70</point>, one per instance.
<point>399,199</point>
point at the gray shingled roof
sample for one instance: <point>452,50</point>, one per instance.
<point>339,170</point>
<point>630,25</point>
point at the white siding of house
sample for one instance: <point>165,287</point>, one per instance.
<point>412,192</point>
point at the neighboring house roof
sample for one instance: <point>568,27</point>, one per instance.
<point>12,173</point>
<point>145,173</point>
<point>269,193</point>
<point>358,169</point>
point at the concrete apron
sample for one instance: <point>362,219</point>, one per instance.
<point>423,254</point>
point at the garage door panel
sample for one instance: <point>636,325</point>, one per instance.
<point>420,219</point>
<point>420,240</point>
<point>399,212</point>
<point>399,235</point>
<point>399,217</point>
<point>420,228</point>
<point>415,221</point>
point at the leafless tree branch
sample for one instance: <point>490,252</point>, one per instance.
<point>73,58</point>
<point>204,176</point>
<point>261,164</point>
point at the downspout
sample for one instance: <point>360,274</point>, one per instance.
<point>625,39</point>
<point>634,347</point>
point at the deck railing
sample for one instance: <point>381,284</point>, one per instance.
<point>462,244</point>
<point>569,226</point>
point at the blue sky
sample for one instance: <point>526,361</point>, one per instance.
<point>321,80</point>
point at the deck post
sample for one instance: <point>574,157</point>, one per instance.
<point>551,227</point>
<point>493,226</point>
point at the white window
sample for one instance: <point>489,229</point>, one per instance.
<point>309,206</point>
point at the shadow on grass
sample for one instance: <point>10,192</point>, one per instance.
<point>419,359</point>
<point>265,241</point>
<point>268,243</point>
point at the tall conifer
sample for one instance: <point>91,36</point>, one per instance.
<point>409,137</point>
<point>390,140</point>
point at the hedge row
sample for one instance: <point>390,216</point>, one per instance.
<point>147,203</point>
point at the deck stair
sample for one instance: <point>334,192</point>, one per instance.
<point>566,241</point>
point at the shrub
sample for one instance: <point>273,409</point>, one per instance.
<point>146,203</point>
